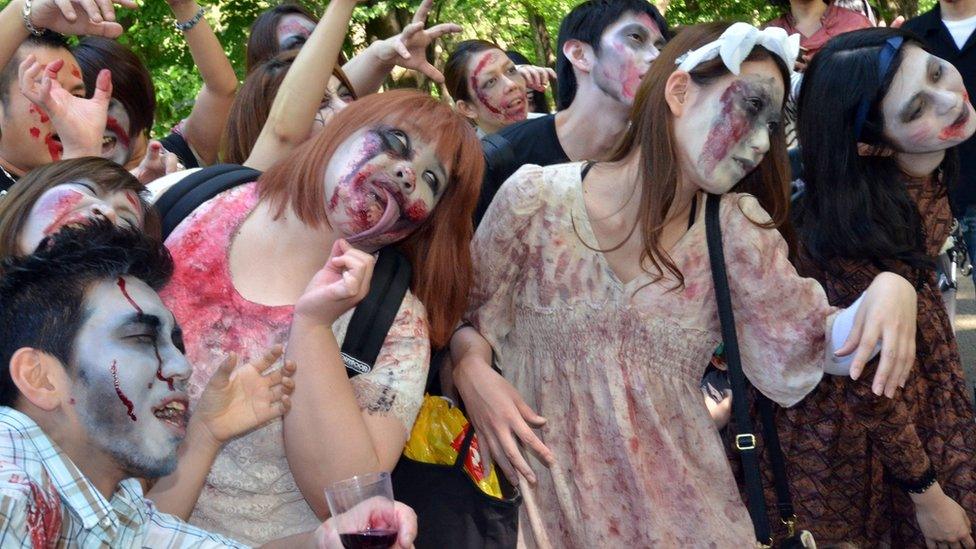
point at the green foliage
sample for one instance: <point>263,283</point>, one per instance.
<point>510,23</point>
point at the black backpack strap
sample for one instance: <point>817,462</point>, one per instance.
<point>745,440</point>
<point>499,165</point>
<point>179,201</point>
<point>777,462</point>
<point>375,313</point>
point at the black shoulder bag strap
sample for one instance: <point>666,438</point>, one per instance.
<point>745,440</point>
<point>374,315</point>
<point>499,155</point>
<point>179,201</point>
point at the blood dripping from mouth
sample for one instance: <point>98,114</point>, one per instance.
<point>118,391</point>
<point>159,360</point>
<point>54,147</point>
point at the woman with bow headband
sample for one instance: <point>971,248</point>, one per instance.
<point>593,289</point>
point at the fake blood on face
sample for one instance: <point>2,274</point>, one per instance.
<point>118,391</point>
<point>159,360</point>
<point>62,211</point>
<point>112,125</point>
<point>730,128</point>
<point>482,96</point>
<point>35,133</point>
<point>54,147</point>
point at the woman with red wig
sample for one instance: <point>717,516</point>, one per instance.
<point>396,169</point>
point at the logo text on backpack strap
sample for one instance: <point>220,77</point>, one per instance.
<point>355,364</point>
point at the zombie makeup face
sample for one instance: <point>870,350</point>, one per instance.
<point>497,90</point>
<point>293,31</point>
<point>382,183</point>
<point>927,108</point>
<point>626,51</point>
<point>726,127</point>
<point>27,138</point>
<point>76,203</point>
<point>116,145</point>
<point>337,97</point>
<point>129,377</point>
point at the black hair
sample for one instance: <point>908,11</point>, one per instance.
<point>537,99</point>
<point>132,84</point>
<point>586,23</point>
<point>785,4</point>
<point>856,205</point>
<point>42,295</point>
<point>8,76</point>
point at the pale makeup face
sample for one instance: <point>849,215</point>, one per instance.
<point>116,145</point>
<point>382,183</point>
<point>129,378</point>
<point>627,49</point>
<point>27,137</point>
<point>926,108</point>
<point>76,203</point>
<point>726,127</point>
<point>293,31</point>
<point>337,97</point>
<point>497,90</point>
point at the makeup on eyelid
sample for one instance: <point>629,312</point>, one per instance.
<point>509,106</point>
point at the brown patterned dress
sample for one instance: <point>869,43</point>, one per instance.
<point>846,447</point>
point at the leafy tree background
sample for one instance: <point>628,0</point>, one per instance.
<point>529,26</point>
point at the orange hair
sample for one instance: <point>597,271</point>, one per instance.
<point>439,249</point>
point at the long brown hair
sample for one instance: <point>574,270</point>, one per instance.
<point>252,105</point>
<point>16,205</point>
<point>439,249</point>
<point>651,130</point>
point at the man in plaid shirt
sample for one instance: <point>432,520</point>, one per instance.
<point>92,378</point>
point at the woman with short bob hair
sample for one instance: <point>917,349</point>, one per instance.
<point>396,169</point>
<point>64,190</point>
<point>593,289</point>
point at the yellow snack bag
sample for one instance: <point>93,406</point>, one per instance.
<point>437,436</point>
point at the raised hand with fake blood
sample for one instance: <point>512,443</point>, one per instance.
<point>79,17</point>
<point>240,398</point>
<point>409,48</point>
<point>339,286</point>
<point>157,163</point>
<point>78,122</point>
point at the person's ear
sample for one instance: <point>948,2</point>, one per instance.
<point>39,377</point>
<point>579,54</point>
<point>677,92</point>
<point>466,110</point>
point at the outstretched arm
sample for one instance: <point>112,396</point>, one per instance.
<point>368,70</point>
<point>206,122</point>
<point>301,92</point>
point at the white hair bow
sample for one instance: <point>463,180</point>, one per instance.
<point>737,42</point>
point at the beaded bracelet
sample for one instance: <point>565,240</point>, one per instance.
<point>922,484</point>
<point>27,20</point>
<point>192,22</point>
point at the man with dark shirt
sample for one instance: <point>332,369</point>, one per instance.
<point>948,30</point>
<point>606,47</point>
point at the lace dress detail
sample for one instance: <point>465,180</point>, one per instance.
<point>615,367</point>
<point>250,494</point>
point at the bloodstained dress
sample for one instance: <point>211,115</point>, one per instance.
<point>846,446</point>
<point>250,493</point>
<point>615,367</point>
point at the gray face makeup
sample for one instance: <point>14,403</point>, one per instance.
<point>293,31</point>
<point>727,131</point>
<point>926,108</point>
<point>129,377</point>
<point>627,49</point>
<point>116,142</point>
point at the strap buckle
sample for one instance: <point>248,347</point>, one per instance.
<point>790,524</point>
<point>746,441</point>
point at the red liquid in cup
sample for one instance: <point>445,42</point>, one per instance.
<point>369,539</point>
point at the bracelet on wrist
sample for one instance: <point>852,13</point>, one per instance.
<point>920,485</point>
<point>36,31</point>
<point>191,22</point>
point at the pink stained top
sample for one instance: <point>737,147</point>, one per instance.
<point>615,367</point>
<point>835,20</point>
<point>250,494</point>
